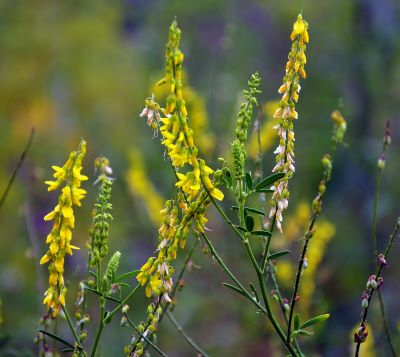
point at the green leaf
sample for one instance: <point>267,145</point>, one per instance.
<point>315,320</point>
<point>249,223</point>
<point>278,254</point>
<point>235,288</point>
<point>296,324</point>
<point>100,294</point>
<point>240,228</point>
<point>124,285</point>
<point>262,233</point>
<point>304,333</point>
<point>126,275</point>
<point>57,338</point>
<point>254,210</point>
<point>234,207</point>
<point>269,180</point>
<point>265,190</point>
<point>249,181</point>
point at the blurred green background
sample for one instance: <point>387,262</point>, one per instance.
<point>79,69</point>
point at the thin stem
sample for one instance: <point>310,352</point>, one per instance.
<point>377,275</point>
<point>386,325</point>
<point>315,213</point>
<point>17,167</point>
<point>186,336</point>
<point>257,268</point>
<point>99,328</point>
<point>149,343</point>
<point>102,300</point>
<point>71,327</point>
<point>374,217</point>
<point>374,244</point>
<point>119,307</point>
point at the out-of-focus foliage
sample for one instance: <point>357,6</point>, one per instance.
<point>83,68</point>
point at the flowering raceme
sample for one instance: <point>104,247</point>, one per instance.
<point>59,239</point>
<point>286,113</point>
<point>177,135</point>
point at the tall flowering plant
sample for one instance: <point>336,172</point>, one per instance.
<point>184,218</point>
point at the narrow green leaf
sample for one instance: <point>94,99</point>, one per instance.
<point>261,233</point>
<point>124,285</point>
<point>254,210</point>
<point>57,338</point>
<point>249,181</point>
<point>254,290</point>
<point>315,320</point>
<point>234,208</point>
<point>240,228</point>
<point>100,294</point>
<point>228,178</point>
<point>93,273</point>
<point>234,288</point>
<point>68,350</point>
<point>269,180</point>
<point>126,275</point>
<point>265,190</point>
<point>296,324</point>
<point>249,223</point>
<point>304,333</point>
<point>278,254</point>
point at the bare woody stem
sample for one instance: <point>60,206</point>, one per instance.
<point>392,238</point>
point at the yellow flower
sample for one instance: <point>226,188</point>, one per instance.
<point>286,114</point>
<point>63,216</point>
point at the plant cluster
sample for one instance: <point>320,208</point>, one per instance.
<point>260,202</point>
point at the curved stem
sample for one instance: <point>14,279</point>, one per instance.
<point>71,327</point>
<point>119,307</point>
<point>386,325</point>
<point>17,167</point>
<point>186,336</point>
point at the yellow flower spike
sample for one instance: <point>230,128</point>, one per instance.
<point>60,236</point>
<point>286,114</point>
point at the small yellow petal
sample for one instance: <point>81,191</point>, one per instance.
<point>217,194</point>
<point>67,211</point>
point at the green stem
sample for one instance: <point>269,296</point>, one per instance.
<point>149,343</point>
<point>71,327</point>
<point>186,336</point>
<point>259,273</point>
<point>99,328</point>
<point>386,325</point>
<point>119,307</point>
<point>102,300</point>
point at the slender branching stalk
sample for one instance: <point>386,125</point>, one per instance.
<point>17,167</point>
<point>189,340</point>
<point>374,283</point>
<point>380,168</point>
